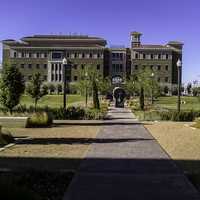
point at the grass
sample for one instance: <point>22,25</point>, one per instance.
<point>167,103</point>
<point>52,100</point>
<point>192,103</point>
<point>181,142</point>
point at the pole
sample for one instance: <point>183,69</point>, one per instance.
<point>179,90</point>
<point>152,92</point>
<point>86,96</point>
<point>65,83</point>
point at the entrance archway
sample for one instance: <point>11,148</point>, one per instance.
<point>119,97</point>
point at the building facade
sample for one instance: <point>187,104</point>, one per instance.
<point>44,54</point>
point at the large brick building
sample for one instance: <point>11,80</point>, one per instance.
<point>44,54</point>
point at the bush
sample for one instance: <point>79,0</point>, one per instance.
<point>5,137</point>
<point>39,119</point>
<point>179,116</point>
<point>94,114</point>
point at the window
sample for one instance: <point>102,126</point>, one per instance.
<point>52,77</point>
<point>159,56</point>
<point>22,65</point>
<point>45,55</point>
<point>30,55</point>
<point>45,78</point>
<point>75,66</point>
<point>68,55</point>
<point>15,54</point>
<point>136,67</point>
<point>98,67</point>
<point>151,67</point>
<point>166,79</point>
<point>113,67</point>
<point>82,66</point>
<point>29,66</point>
<point>159,67</point>
<point>98,55</point>
<point>37,55</point>
<point>56,77</point>
<point>167,56</point>
<point>57,55</point>
<point>121,68</point>
<point>90,55</point>
<point>121,56</point>
<point>151,56</point>
<point>166,67</point>
<point>83,55</point>
<point>23,54</point>
<point>60,77</point>
<point>38,66</point>
<point>113,55</point>
<point>75,78</point>
<point>144,56</point>
<point>68,78</point>
<point>158,79</point>
<point>52,67</point>
<point>136,56</point>
<point>75,55</point>
<point>45,66</point>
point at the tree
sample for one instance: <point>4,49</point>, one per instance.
<point>189,88</point>
<point>11,87</point>
<point>51,88</point>
<point>96,103</point>
<point>89,83</point>
<point>146,85</point>
<point>59,88</point>
<point>35,89</point>
<point>104,85</point>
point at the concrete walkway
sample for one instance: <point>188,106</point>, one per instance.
<point>132,166</point>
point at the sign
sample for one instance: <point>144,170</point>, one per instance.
<point>117,79</point>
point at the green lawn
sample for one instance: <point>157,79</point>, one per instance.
<point>52,100</point>
<point>171,103</point>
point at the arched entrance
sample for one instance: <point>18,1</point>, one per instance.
<point>119,97</point>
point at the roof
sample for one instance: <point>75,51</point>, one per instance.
<point>58,41</point>
<point>136,33</point>
<point>152,46</point>
<point>60,37</point>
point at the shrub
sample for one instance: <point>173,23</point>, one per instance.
<point>5,137</point>
<point>39,119</point>
<point>173,115</point>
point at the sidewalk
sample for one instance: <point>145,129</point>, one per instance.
<point>131,166</point>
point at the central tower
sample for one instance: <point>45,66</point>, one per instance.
<point>135,39</point>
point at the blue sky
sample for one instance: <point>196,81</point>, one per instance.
<point>159,21</point>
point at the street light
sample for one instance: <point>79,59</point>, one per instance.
<point>179,66</point>
<point>86,89</point>
<point>64,62</point>
<point>152,77</point>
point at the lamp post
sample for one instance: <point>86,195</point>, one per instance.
<point>86,89</point>
<point>179,65</point>
<point>152,77</point>
<point>64,62</point>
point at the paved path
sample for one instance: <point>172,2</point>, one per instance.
<point>132,166</point>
